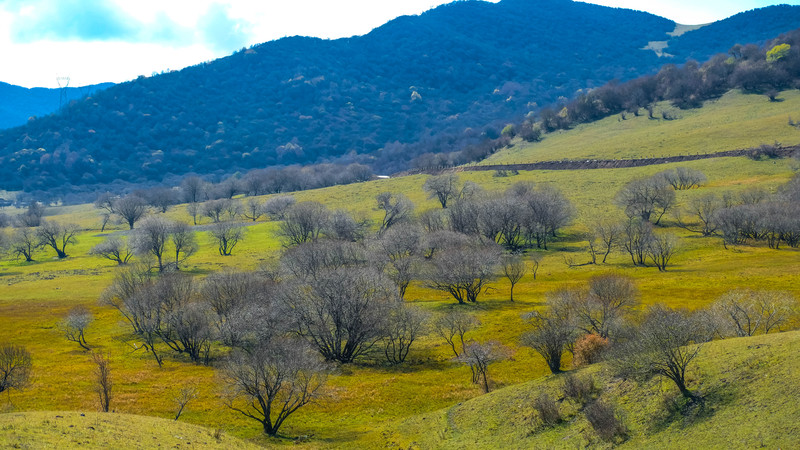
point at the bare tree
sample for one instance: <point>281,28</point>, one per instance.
<point>463,270</point>
<point>442,187</point>
<point>684,178</point>
<point>304,222</point>
<point>32,216</point>
<point>609,233</point>
<point>221,210</point>
<point>661,249</point>
<point>648,199</point>
<point>479,356</point>
<point>151,238</point>
<point>343,226</point>
<point>192,188</point>
<point>454,325</point>
<point>160,198</point>
<point>56,235</point>
<point>74,324</point>
<point>514,269</point>
<point>271,383</point>
<point>402,246</point>
<point>131,208</point>
<point>397,208</point>
<point>746,312</point>
<point>103,386</point>
<point>105,202</point>
<point>253,209</point>
<point>114,249</point>
<point>704,210</point>
<point>342,312</point>
<point>227,235</point>
<point>638,234</point>
<point>15,367</point>
<point>194,210</point>
<point>664,344</point>
<point>24,242</point>
<point>182,398</point>
<point>184,242</point>
<point>553,331</point>
<point>406,324</point>
<point>276,207</point>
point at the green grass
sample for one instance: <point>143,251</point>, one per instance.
<point>750,387</point>
<point>735,121</point>
<point>106,430</point>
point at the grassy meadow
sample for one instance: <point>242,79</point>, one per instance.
<point>362,398</point>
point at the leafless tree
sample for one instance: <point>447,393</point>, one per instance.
<point>601,309</point>
<point>131,208</point>
<point>192,188</point>
<point>405,325</point>
<point>105,202</point>
<point>15,367</point>
<point>433,220</point>
<point>276,207</point>
<point>73,325</point>
<point>309,260</point>
<point>253,209</point>
<point>648,199</point>
<point>344,227</point>
<point>746,312</point>
<point>271,383</point>
<point>479,356</point>
<point>221,210</point>
<point>463,270</point>
<point>57,235</point>
<point>31,217</point>
<point>402,247</point>
<point>160,198</point>
<point>638,234</point>
<point>184,242</point>
<point>553,331</point>
<point>304,222</point>
<point>342,312</point>
<point>114,249</point>
<point>609,234</point>
<point>24,242</point>
<point>227,235</point>
<point>664,344</point>
<point>182,398</point>
<point>684,178</point>
<point>454,325</point>
<point>442,187</point>
<point>228,188</point>
<point>661,249</point>
<point>151,238</point>
<point>514,269</point>
<point>703,209</point>
<point>103,386</point>
<point>397,208</point>
<point>194,210</point>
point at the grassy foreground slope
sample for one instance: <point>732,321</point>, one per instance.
<point>734,121</point>
<point>750,386</point>
<point>54,429</point>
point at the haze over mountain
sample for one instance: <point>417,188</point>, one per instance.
<point>20,103</point>
<point>430,83</point>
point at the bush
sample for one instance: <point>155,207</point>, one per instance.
<point>606,422</point>
<point>589,349</point>
<point>547,409</point>
<point>578,389</point>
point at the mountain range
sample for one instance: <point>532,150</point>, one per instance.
<point>437,82</point>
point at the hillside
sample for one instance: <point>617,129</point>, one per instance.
<point>67,429</point>
<point>429,83</point>
<point>19,103</point>
<point>749,386</point>
<point>734,121</point>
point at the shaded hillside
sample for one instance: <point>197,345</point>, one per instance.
<point>20,103</point>
<point>431,83</point>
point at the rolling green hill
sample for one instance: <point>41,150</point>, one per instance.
<point>750,387</point>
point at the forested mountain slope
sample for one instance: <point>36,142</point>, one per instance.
<point>430,83</point>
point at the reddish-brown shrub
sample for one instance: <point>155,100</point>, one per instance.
<point>588,349</point>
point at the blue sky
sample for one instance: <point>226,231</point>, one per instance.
<point>117,40</point>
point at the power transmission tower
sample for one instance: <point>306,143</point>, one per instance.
<point>63,84</point>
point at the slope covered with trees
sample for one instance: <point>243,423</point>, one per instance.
<point>19,103</point>
<point>431,83</point>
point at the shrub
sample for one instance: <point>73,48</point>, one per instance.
<point>605,421</point>
<point>578,389</point>
<point>547,409</point>
<point>589,349</point>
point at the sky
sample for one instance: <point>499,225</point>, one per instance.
<point>93,41</point>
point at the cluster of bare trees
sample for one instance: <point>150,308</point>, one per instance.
<point>26,239</point>
<point>753,215</point>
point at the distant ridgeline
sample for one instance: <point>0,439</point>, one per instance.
<point>443,81</point>
<point>19,104</point>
